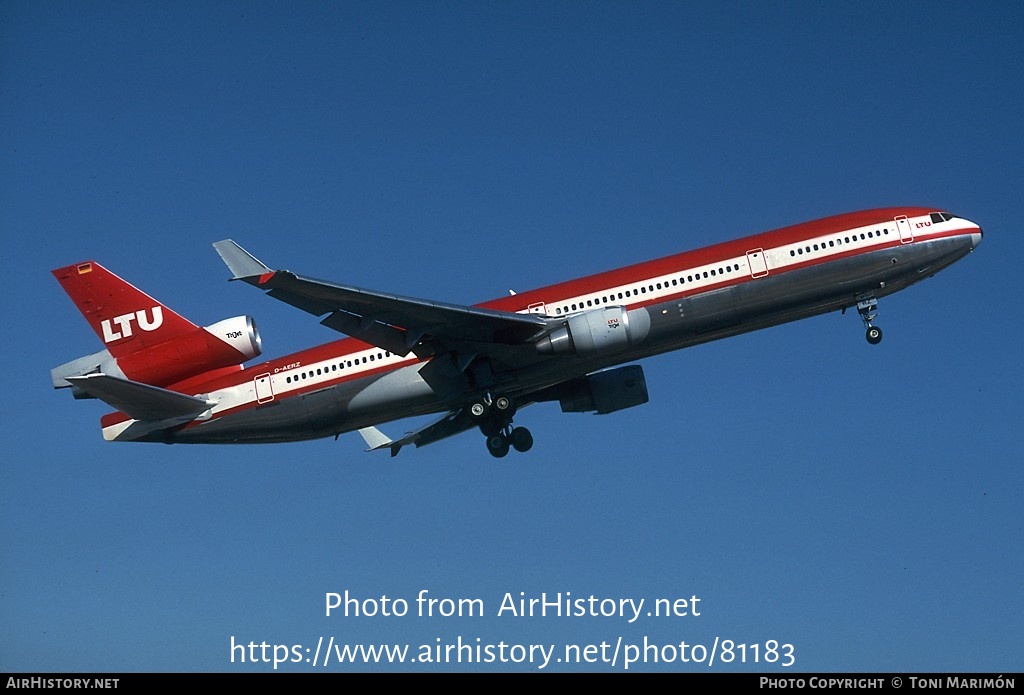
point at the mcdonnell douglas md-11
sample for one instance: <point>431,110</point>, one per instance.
<point>175,382</point>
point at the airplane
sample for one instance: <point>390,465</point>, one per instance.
<point>172,381</point>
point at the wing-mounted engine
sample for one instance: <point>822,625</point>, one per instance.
<point>597,332</point>
<point>600,392</point>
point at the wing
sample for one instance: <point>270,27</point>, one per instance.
<point>398,324</point>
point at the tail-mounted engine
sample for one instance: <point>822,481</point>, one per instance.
<point>597,332</point>
<point>225,344</point>
<point>241,334</point>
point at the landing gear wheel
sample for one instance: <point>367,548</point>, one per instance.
<point>497,445</point>
<point>868,310</point>
<point>477,410</point>
<point>503,404</point>
<point>521,439</point>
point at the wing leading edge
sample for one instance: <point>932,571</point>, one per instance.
<point>395,323</point>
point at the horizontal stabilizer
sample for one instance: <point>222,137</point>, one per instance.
<point>140,401</point>
<point>101,362</point>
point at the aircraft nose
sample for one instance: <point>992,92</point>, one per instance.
<point>976,238</point>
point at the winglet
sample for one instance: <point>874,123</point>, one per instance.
<point>375,439</point>
<point>240,262</point>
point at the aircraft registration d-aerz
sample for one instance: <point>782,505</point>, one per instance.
<point>173,381</point>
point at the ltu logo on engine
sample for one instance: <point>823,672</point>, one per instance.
<point>124,324</point>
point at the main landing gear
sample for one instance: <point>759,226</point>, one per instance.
<point>868,310</point>
<point>494,418</point>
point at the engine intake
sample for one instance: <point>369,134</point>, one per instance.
<point>241,334</point>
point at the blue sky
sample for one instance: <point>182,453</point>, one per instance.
<point>860,503</point>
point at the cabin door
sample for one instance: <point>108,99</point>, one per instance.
<point>757,263</point>
<point>906,233</point>
<point>264,391</point>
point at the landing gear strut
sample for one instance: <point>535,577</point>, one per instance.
<point>493,415</point>
<point>868,310</point>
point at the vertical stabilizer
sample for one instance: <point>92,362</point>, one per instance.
<point>125,318</point>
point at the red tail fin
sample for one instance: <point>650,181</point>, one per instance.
<point>125,318</point>
<point>147,342</point>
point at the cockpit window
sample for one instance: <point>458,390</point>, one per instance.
<point>941,217</point>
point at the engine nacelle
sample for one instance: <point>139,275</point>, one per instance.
<point>605,392</point>
<point>240,333</point>
<point>227,343</point>
<point>596,332</point>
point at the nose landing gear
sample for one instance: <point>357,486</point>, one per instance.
<point>868,310</point>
